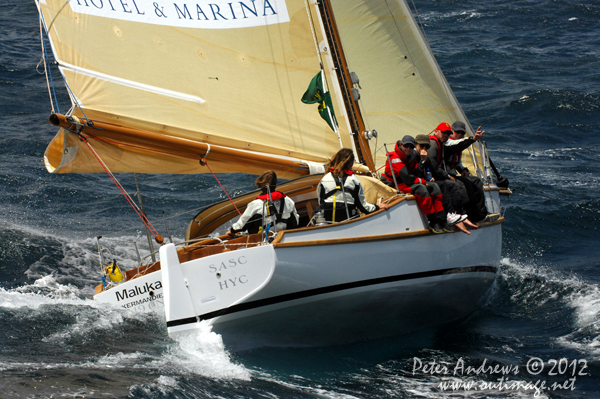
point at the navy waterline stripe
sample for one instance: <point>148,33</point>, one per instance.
<point>324,290</point>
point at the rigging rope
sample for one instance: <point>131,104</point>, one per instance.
<point>314,36</point>
<point>205,162</point>
<point>47,70</point>
<point>74,101</point>
<point>159,239</point>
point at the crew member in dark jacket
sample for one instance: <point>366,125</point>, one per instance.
<point>408,167</point>
<point>455,193</point>
<point>476,209</point>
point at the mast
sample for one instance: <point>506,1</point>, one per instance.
<point>355,118</point>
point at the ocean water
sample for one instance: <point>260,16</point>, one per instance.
<point>525,70</point>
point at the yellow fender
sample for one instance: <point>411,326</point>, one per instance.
<point>113,272</point>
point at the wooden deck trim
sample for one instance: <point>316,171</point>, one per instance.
<point>382,237</point>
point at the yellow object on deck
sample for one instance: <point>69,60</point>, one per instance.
<point>113,272</point>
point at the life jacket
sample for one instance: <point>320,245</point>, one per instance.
<point>398,156</point>
<point>336,210</point>
<point>338,188</point>
<point>440,153</point>
<point>454,160</point>
<point>271,208</point>
<point>272,203</point>
<point>113,272</point>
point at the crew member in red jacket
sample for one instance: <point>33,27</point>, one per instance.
<point>405,163</point>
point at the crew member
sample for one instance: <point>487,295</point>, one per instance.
<point>455,193</point>
<point>409,166</point>
<point>457,142</point>
<point>270,208</point>
<point>340,193</point>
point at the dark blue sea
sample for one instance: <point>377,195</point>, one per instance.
<point>527,71</point>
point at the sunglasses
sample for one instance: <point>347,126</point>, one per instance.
<point>448,132</point>
<point>425,146</point>
<point>412,147</point>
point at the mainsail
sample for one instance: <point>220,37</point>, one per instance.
<point>159,85</point>
<point>223,73</point>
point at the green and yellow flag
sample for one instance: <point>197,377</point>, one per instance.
<point>316,93</point>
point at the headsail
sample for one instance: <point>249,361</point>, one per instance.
<point>403,90</point>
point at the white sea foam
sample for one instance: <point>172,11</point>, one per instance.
<point>85,324</point>
<point>586,336</point>
<point>300,386</point>
<point>201,352</point>
<point>165,385</point>
<point>43,291</point>
<point>581,296</point>
<point>462,15</point>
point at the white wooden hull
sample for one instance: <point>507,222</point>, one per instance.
<point>376,277</point>
<point>142,294</point>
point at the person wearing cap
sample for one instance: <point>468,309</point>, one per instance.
<point>271,207</point>
<point>408,167</point>
<point>457,142</point>
<point>436,151</point>
<point>454,146</point>
<point>455,193</point>
<point>422,146</point>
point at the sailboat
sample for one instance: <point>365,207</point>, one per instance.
<point>215,86</point>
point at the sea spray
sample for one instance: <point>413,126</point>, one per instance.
<point>202,352</point>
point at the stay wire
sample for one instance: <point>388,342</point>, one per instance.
<point>47,69</point>
<point>223,188</point>
<point>137,210</point>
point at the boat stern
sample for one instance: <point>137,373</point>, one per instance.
<point>205,288</point>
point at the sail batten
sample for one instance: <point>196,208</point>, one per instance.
<point>136,85</point>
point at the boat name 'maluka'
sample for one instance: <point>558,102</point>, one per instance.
<point>135,291</point>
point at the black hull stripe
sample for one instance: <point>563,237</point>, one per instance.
<point>324,290</point>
